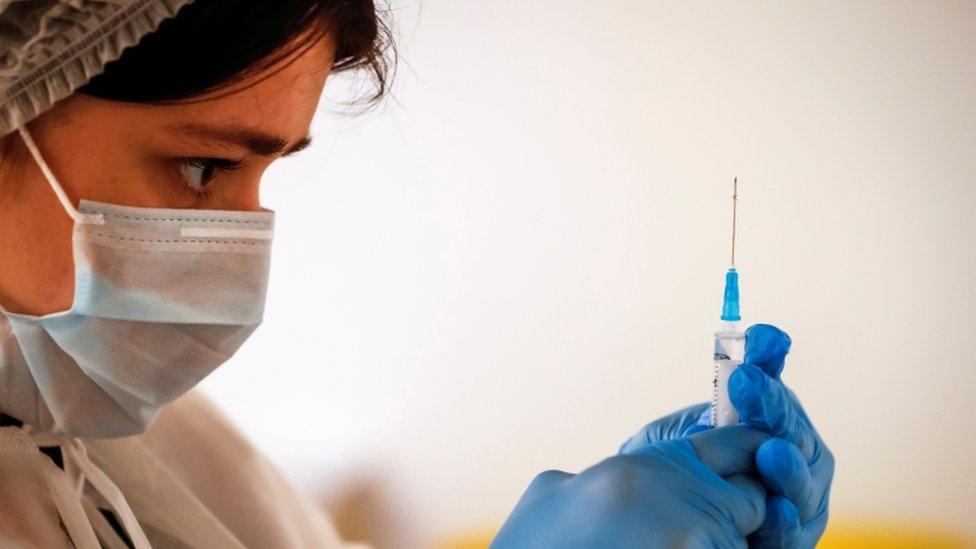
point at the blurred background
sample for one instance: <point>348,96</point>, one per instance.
<point>518,261</point>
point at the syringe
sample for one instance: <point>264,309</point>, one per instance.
<point>729,341</point>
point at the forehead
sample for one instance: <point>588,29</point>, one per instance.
<point>282,97</point>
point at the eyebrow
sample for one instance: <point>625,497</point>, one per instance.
<point>256,141</point>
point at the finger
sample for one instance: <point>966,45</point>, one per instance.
<point>785,472</point>
<point>780,528</point>
<point>546,480</point>
<point>766,404</point>
<point>749,508</point>
<point>704,419</point>
<point>667,428</point>
<point>767,347</point>
<point>704,422</point>
<point>728,450</point>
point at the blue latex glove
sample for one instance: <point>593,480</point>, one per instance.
<point>698,491</point>
<point>795,466</point>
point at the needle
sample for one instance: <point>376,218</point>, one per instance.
<point>735,200</point>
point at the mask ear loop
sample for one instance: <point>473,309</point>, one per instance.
<point>78,217</point>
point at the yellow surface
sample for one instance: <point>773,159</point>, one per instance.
<point>479,540</point>
<point>839,535</point>
<point>846,534</point>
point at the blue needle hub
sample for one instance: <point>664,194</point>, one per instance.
<point>730,303</point>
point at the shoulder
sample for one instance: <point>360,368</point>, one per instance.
<point>200,446</point>
<point>196,442</point>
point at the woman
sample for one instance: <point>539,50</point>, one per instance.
<point>135,259</point>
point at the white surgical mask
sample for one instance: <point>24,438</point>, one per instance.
<point>162,297</point>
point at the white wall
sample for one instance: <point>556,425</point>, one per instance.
<point>519,261</point>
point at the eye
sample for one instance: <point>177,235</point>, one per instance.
<point>197,172</point>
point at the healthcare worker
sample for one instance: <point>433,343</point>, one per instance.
<point>135,257</point>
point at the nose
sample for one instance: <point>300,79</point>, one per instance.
<point>241,196</point>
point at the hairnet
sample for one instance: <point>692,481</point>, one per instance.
<point>50,48</point>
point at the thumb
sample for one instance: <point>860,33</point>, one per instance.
<point>728,450</point>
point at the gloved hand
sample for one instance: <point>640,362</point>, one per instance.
<point>795,466</point>
<point>698,491</point>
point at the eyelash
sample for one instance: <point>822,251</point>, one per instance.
<point>213,165</point>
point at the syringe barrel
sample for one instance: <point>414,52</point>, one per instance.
<point>729,350</point>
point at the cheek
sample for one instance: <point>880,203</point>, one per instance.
<point>128,178</point>
<point>104,170</point>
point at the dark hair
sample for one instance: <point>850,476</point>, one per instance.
<point>211,43</point>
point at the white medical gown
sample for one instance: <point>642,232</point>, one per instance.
<point>191,480</point>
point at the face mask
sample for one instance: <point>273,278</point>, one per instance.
<point>162,297</point>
